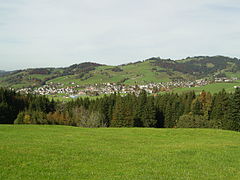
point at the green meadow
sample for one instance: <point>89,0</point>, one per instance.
<point>60,152</point>
<point>140,73</point>
<point>213,88</point>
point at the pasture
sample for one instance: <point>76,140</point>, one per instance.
<point>61,152</point>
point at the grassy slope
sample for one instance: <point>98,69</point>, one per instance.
<point>140,73</point>
<point>25,79</point>
<point>59,152</point>
<point>213,88</point>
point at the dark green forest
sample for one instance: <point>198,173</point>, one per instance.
<point>187,110</point>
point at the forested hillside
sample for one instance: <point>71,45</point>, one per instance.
<point>153,70</point>
<point>201,66</point>
<point>221,110</point>
<point>39,76</point>
<point>2,73</point>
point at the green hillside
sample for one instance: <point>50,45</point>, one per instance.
<point>59,152</point>
<point>212,88</point>
<point>3,72</point>
<point>142,72</point>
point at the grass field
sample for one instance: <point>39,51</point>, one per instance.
<point>60,152</point>
<point>213,88</point>
<point>140,73</point>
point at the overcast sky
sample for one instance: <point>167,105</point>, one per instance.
<point>42,33</point>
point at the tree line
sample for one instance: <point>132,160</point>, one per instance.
<point>187,110</point>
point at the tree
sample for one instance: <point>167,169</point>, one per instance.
<point>117,114</point>
<point>234,112</point>
<point>140,106</point>
<point>149,114</point>
<point>186,101</point>
<point>196,107</point>
<point>171,111</point>
<point>20,118</point>
<point>95,120</point>
<point>192,121</point>
<point>11,103</point>
<point>206,103</point>
<point>220,108</point>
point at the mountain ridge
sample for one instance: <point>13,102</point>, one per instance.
<point>154,69</point>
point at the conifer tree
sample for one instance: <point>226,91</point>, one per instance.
<point>140,107</point>
<point>196,107</point>
<point>118,113</point>
<point>149,114</point>
<point>220,107</point>
<point>187,99</point>
<point>234,112</point>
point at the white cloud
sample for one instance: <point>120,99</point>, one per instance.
<point>62,32</point>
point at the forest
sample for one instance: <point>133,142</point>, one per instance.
<point>170,110</point>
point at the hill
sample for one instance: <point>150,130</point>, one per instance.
<point>59,152</point>
<point>2,73</point>
<point>36,77</point>
<point>153,70</point>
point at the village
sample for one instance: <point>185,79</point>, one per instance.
<point>73,91</point>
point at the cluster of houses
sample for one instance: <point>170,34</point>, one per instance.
<point>224,79</point>
<point>109,88</point>
<point>48,90</point>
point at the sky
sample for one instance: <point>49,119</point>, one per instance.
<point>59,33</point>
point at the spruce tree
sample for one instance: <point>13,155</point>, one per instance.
<point>196,107</point>
<point>220,109</point>
<point>140,108</point>
<point>234,111</point>
<point>149,114</point>
<point>118,113</point>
